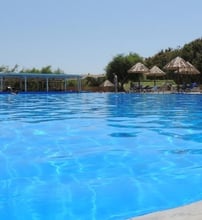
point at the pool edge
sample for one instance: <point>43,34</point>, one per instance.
<point>192,211</point>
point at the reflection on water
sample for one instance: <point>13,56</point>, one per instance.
<point>184,151</point>
<point>98,156</point>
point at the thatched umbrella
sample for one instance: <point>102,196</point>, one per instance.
<point>155,71</point>
<point>107,83</point>
<point>138,68</point>
<point>176,64</point>
<point>107,86</point>
<point>181,67</point>
<point>190,70</point>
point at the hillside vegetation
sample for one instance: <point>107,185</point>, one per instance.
<point>191,52</point>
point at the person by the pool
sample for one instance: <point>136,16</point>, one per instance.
<point>11,90</point>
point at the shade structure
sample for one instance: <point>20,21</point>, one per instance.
<point>181,67</point>
<point>138,68</point>
<point>190,70</point>
<point>107,86</point>
<point>107,83</point>
<point>176,64</point>
<point>155,71</point>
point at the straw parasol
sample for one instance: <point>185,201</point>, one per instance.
<point>177,64</point>
<point>138,68</point>
<point>190,70</point>
<point>155,71</point>
<point>107,86</point>
<point>181,67</point>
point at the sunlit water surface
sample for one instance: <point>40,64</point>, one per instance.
<point>98,156</point>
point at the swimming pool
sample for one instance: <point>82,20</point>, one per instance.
<point>99,156</point>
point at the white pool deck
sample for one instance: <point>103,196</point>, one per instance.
<point>189,212</point>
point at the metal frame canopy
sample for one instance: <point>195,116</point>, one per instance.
<point>46,76</point>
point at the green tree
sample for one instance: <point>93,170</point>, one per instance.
<point>46,69</point>
<point>58,71</point>
<point>33,70</point>
<point>15,68</point>
<point>7,69</point>
<point>120,65</point>
<point>4,68</point>
<point>192,52</point>
<point>92,81</point>
<point>162,58</point>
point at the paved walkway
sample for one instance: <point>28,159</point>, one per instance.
<point>188,212</point>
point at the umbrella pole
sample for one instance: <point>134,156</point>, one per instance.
<point>178,85</point>
<point>154,80</point>
<point>139,84</point>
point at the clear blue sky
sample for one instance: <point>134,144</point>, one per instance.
<point>83,36</point>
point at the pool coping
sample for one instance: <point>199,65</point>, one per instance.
<point>192,211</point>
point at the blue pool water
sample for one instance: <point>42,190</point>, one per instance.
<point>98,156</point>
